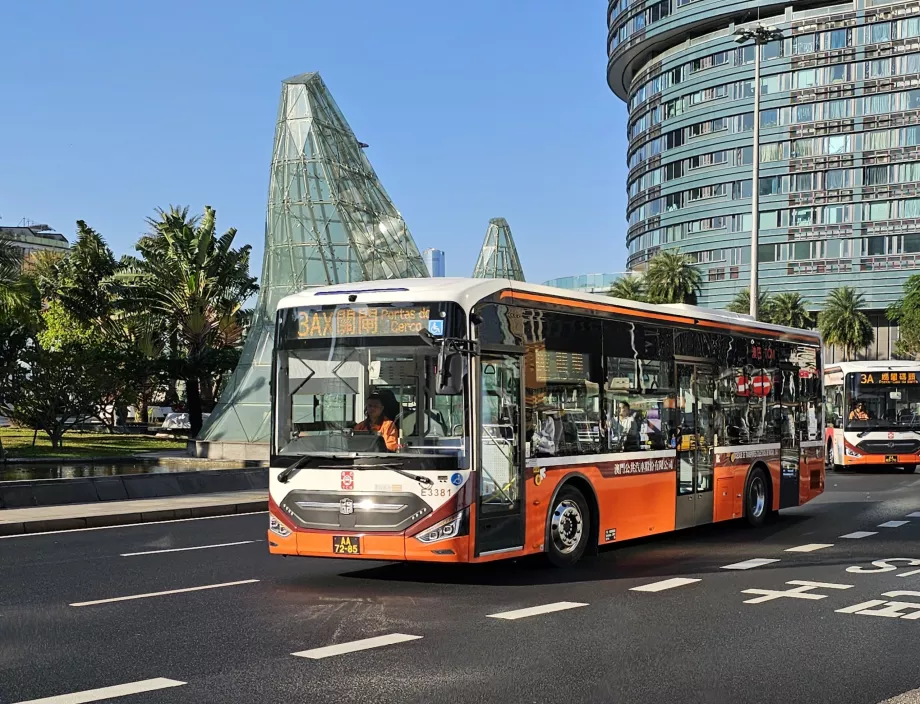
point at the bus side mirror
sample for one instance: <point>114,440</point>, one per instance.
<point>450,374</point>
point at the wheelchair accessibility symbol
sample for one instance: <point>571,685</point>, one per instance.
<point>436,327</point>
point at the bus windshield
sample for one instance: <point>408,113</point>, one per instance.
<point>883,401</point>
<point>352,379</point>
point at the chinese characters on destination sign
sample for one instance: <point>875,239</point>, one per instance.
<point>346,322</point>
<point>889,378</point>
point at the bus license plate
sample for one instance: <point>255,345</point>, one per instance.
<point>346,545</point>
<point>891,459</point>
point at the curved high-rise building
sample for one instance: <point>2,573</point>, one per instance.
<point>840,143</point>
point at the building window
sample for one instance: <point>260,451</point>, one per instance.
<point>835,39</point>
<point>877,104</point>
<point>880,32</point>
<point>836,178</point>
<point>803,44</point>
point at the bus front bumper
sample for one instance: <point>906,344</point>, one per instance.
<point>288,540</point>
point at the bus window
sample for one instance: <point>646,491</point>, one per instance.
<point>884,401</point>
<point>639,399</point>
<point>562,384</point>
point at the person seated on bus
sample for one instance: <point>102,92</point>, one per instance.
<point>376,421</point>
<point>626,427</point>
<point>544,436</point>
<point>859,412</point>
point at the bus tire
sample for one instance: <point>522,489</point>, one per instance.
<point>830,461</point>
<point>756,498</point>
<point>910,468</point>
<point>569,527</point>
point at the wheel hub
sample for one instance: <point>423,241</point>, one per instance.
<point>567,526</point>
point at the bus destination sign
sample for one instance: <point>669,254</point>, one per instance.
<point>876,378</point>
<point>360,322</point>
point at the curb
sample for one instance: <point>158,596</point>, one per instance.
<point>129,518</point>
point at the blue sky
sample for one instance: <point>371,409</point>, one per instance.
<point>472,110</point>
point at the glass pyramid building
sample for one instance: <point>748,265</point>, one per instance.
<point>329,221</point>
<point>498,258</point>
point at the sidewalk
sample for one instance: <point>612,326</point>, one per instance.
<point>16,521</point>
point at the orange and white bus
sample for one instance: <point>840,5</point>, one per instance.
<point>873,414</point>
<point>468,420</point>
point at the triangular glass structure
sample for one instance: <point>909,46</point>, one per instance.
<point>498,258</point>
<point>329,221</point>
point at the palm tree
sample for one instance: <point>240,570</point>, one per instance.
<point>788,308</point>
<point>197,282</point>
<point>15,289</point>
<point>741,303</point>
<point>630,287</point>
<point>672,278</point>
<point>843,323</point>
<point>41,266</point>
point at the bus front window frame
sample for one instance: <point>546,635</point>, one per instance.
<point>880,403</point>
<point>322,385</point>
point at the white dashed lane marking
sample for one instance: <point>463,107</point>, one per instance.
<point>197,547</point>
<point>355,645</point>
<point>537,610</point>
<point>750,564</point>
<point>665,584</point>
<point>915,514</point>
<point>893,524</point>
<point>811,547</point>
<point>171,591</point>
<point>860,534</point>
<point>98,695</point>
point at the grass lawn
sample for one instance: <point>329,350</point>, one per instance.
<point>18,443</point>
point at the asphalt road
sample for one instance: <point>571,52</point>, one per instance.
<point>706,637</point>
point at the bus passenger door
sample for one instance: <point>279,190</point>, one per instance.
<point>695,387</point>
<point>499,516</point>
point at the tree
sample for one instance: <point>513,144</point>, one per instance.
<point>741,303</point>
<point>843,323</point>
<point>197,282</point>
<point>630,287</point>
<point>16,291</point>
<point>41,267</point>
<point>906,314</point>
<point>672,278</point>
<point>54,390</point>
<point>788,308</point>
<point>83,277</point>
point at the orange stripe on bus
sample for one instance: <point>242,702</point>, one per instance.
<point>646,314</point>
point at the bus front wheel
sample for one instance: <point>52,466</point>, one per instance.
<point>756,498</point>
<point>569,527</point>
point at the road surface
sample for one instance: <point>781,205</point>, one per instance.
<point>821,606</point>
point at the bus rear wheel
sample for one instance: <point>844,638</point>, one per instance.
<point>756,498</point>
<point>569,527</point>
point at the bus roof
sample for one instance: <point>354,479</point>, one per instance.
<point>468,292</point>
<point>871,366</point>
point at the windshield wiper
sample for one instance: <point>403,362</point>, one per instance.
<point>286,475</point>
<point>392,467</point>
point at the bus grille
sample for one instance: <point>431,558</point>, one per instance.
<point>331,510</point>
<point>889,447</point>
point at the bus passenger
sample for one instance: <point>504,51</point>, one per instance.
<point>627,428</point>
<point>376,421</point>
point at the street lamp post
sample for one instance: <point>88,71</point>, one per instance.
<point>761,35</point>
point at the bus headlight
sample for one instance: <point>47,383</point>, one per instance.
<point>850,452</point>
<point>277,527</point>
<point>448,528</point>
